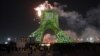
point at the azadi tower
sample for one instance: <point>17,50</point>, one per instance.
<point>49,20</point>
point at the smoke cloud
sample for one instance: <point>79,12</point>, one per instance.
<point>90,32</point>
<point>77,26</point>
<point>93,17</point>
<point>71,20</point>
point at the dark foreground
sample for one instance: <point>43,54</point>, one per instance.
<point>80,49</point>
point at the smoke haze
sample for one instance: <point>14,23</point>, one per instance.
<point>77,26</point>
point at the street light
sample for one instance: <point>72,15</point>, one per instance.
<point>9,39</point>
<point>90,39</point>
<point>6,42</point>
<point>48,45</point>
<point>42,44</point>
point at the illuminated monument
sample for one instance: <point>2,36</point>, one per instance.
<point>49,20</point>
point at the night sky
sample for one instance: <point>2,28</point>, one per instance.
<point>17,15</point>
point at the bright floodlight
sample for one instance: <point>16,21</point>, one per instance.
<point>42,44</point>
<point>48,45</point>
<point>90,39</point>
<point>6,42</point>
<point>9,39</point>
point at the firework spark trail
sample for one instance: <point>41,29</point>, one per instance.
<point>43,7</point>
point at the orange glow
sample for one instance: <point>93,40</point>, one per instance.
<point>48,39</point>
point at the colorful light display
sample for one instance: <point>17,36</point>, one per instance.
<point>49,20</point>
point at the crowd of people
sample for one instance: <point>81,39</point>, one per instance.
<point>57,49</point>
